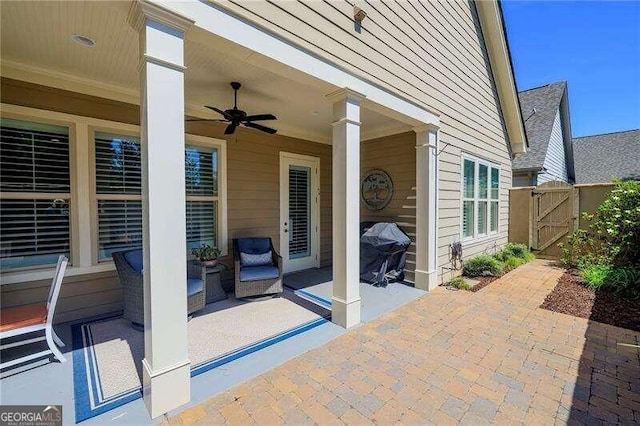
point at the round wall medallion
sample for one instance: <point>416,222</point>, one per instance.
<point>376,189</point>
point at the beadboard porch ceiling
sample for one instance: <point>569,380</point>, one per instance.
<point>36,46</point>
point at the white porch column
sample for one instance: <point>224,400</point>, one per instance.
<point>165,367</point>
<point>345,309</point>
<point>426,207</point>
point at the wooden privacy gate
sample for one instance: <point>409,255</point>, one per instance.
<point>554,217</point>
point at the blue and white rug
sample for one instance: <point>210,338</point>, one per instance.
<point>108,353</point>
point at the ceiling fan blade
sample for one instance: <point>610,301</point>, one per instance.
<point>219,111</point>
<point>260,117</point>
<point>261,127</point>
<point>230,129</point>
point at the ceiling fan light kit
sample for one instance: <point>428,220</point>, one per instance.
<point>237,117</point>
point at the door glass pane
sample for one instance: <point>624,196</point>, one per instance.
<point>299,212</point>
<point>494,216</point>
<point>495,181</point>
<point>469,178</point>
<point>482,217</point>
<point>467,219</point>
<point>483,172</point>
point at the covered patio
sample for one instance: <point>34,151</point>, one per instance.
<point>76,386</point>
<point>150,67</point>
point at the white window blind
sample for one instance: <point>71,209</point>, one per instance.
<point>35,190</point>
<point>118,192</point>
<point>480,191</point>
<point>118,189</point>
<point>299,211</point>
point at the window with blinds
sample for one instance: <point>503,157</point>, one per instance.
<point>480,191</point>
<point>119,188</point>
<point>35,191</point>
<point>299,211</point>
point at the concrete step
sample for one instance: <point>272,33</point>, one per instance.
<point>407,216</point>
<point>408,207</point>
<point>411,197</point>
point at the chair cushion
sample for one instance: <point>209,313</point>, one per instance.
<point>254,245</point>
<point>134,259</point>
<point>194,286</point>
<point>247,259</point>
<point>22,316</point>
<point>257,273</point>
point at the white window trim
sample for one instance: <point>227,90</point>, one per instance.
<point>84,245</point>
<point>476,237</point>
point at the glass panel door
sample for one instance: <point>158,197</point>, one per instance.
<point>299,211</point>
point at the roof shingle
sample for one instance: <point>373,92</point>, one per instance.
<point>546,101</point>
<point>600,158</point>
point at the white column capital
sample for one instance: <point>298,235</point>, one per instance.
<point>345,94</point>
<point>427,127</point>
<point>143,9</point>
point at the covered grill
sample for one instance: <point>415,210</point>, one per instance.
<point>383,248</point>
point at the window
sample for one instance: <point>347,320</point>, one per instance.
<point>35,190</point>
<point>480,191</point>
<point>119,188</point>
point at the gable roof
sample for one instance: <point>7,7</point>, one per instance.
<point>539,124</point>
<point>600,158</point>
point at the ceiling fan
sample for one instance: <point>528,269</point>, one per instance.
<point>236,117</point>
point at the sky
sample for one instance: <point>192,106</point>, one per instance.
<point>593,45</point>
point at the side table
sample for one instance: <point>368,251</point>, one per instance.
<point>211,278</point>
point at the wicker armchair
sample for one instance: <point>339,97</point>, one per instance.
<point>133,289</point>
<point>256,280</point>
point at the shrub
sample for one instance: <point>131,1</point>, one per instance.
<point>613,236</point>
<point>459,283</point>
<point>519,251</point>
<point>622,280</point>
<point>483,265</point>
<point>513,262</point>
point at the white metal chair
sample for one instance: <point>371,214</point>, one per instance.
<point>32,318</point>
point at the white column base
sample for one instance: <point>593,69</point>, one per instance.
<point>345,314</point>
<point>171,387</point>
<point>426,280</point>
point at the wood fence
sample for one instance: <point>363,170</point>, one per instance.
<point>543,216</point>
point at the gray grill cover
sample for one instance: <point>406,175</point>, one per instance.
<point>383,249</point>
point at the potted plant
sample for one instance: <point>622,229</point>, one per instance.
<point>206,254</point>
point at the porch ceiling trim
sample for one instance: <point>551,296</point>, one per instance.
<point>220,22</point>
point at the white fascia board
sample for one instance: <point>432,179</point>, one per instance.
<point>223,24</point>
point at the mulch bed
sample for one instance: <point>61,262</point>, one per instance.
<point>571,297</point>
<point>484,281</point>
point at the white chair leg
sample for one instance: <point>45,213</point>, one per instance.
<point>57,339</point>
<point>52,346</point>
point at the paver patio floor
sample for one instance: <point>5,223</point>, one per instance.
<point>452,357</point>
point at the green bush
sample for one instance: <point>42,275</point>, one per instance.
<point>519,251</point>
<point>459,283</point>
<point>621,280</point>
<point>513,262</point>
<point>613,238</point>
<point>483,265</point>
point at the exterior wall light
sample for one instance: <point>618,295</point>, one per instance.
<point>359,14</point>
